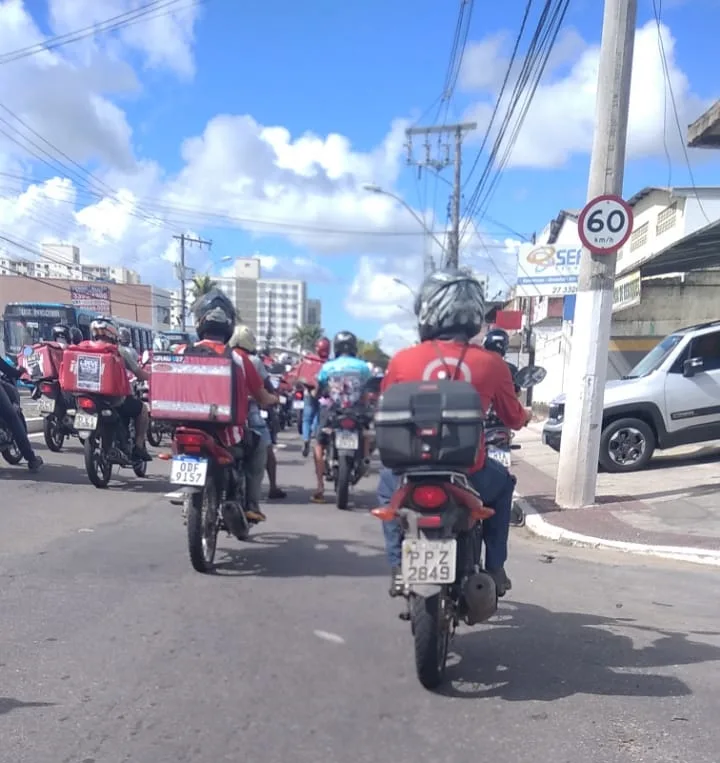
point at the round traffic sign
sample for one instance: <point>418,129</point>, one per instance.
<point>605,224</point>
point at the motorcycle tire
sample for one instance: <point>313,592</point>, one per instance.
<point>154,435</point>
<point>432,640</point>
<point>12,455</point>
<point>517,515</point>
<point>203,525</point>
<point>97,464</point>
<point>140,469</point>
<point>54,437</point>
<point>342,486</point>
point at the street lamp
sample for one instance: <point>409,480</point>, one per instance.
<point>373,188</point>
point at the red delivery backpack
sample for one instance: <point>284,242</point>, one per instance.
<point>308,370</point>
<point>42,360</point>
<point>94,368</point>
<point>197,385</point>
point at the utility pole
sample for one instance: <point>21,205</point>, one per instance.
<point>580,446</point>
<point>183,238</point>
<point>438,162</point>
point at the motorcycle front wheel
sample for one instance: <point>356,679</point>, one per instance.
<point>53,434</point>
<point>97,463</point>
<point>154,434</point>
<point>431,634</point>
<point>203,525</point>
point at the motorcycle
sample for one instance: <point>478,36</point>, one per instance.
<point>58,417</point>
<point>212,491</point>
<point>344,454</point>
<point>440,513</point>
<point>8,446</point>
<point>108,438</point>
<point>499,438</point>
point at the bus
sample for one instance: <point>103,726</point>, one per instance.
<point>26,323</point>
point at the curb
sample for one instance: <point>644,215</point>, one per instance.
<point>539,526</point>
<point>34,424</point>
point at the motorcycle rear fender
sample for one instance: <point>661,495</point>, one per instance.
<point>179,496</point>
<point>425,590</point>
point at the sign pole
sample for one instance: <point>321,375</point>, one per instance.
<point>582,425</point>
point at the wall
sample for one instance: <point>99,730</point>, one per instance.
<point>552,352</point>
<point>695,212</point>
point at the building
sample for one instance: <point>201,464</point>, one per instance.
<point>63,261</point>
<point>313,312</point>
<point>281,308</point>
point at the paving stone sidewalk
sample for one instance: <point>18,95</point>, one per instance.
<point>674,502</point>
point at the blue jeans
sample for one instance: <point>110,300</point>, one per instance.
<point>494,483</point>
<point>310,418</point>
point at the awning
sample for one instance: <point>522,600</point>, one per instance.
<point>698,251</point>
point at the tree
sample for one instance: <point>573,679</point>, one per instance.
<point>304,337</point>
<point>372,352</point>
<point>201,285</point>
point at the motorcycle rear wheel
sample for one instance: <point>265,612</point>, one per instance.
<point>154,434</point>
<point>52,432</point>
<point>342,486</point>
<point>97,464</point>
<point>431,633</point>
<point>203,525</point>
<point>12,455</point>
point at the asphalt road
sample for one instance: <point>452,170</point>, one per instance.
<point>112,649</point>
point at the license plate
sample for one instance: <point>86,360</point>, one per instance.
<point>46,405</point>
<point>429,561</point>
<point>298,405</point>
<point>263,414</point>
<point>501,456</point>
<point>86,421</point>
<point>188,471</point>
<point>346,440</point>
<point>282,399</point>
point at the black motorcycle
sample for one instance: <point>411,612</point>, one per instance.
<point>8,446</point>
<point>344,454</point>
<point>57,410</point>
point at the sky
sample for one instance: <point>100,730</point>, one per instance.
<point>258,126</point>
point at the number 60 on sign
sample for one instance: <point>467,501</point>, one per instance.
<point>605,224</point>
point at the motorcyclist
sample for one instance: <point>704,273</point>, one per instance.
<point>343,379</point>
<point>75,335</point>
<point>9,407</point>
<point>215,318</point>
<point>125,339</point>
<point>104,330</point>
<point>61,334</point>
<point>244,339</point>
<point>450,308</point>
<point>312,406</point>
<point>498,340</point>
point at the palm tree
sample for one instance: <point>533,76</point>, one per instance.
<point>305,337</point>
<point>201,285</point>
<point>372,352</point>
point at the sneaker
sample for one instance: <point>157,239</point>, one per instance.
<point>503,584</point>
<point>35,463</point>
<point>255,515</point>
<point>141,454</point>
<point>397,584</point>
<point>306,449</point>
<point>276,494</point>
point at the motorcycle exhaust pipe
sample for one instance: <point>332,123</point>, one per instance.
<point>480,597</point>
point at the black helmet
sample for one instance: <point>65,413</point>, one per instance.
<point>497,340</point>
<point>75,335</point>
<point>450,304</point>
<point>345,343</point>
<point>61,333</point>
<point>215,315</point>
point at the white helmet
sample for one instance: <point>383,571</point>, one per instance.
<point>161,343</point>
<point>244,338</point>
<point>104,328</point>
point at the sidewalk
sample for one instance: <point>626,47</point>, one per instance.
<point>670,510</point>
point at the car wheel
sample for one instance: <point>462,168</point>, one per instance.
<point>626,445</point>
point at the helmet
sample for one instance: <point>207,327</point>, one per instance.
<point>76,335</point>
<point>322,348</point>
<point>124,336</point>
<point>61,333</point>
<point>450,304</point>
<point>161,343</point>
<point>104,328</point>
<point>345,343</point>
<point>244,338</point>
<point>497,340</point>
<point>214,315</point>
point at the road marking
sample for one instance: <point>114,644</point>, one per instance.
<point>332,637</point>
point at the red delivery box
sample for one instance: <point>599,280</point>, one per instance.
<point>42,361</point>
<point>94,368</point>
<point>308,370</point>
<point>192,388</point>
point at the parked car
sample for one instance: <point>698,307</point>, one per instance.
<point>670,398</point>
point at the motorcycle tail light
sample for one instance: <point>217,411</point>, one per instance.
<point>47,389</point>
<point>86,403</point>
<point>298,395</point>
<point>347,424</point>
<point>429,496</point>
<point>432,522</point>
<point>190,439</point>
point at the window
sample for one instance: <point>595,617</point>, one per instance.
<point>639,237</point>
<point>666,219</point>
<point>707,347</point>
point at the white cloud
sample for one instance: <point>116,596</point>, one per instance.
<point>560,121</point>
<point>396,336</point>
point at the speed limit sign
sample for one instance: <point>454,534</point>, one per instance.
<point>605,224</point>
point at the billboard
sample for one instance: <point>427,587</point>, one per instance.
<point>627,292</point>
<point>94,298</point>
<point>548,270</point>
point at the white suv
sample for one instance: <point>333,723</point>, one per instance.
<point>670,398</point>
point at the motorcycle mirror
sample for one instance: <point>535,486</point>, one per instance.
<point>529,376</point>
<point>145,358</point>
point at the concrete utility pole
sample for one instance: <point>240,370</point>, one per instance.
<point>181,271</point>
<point>580,446</point>
<point>437,164</point>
